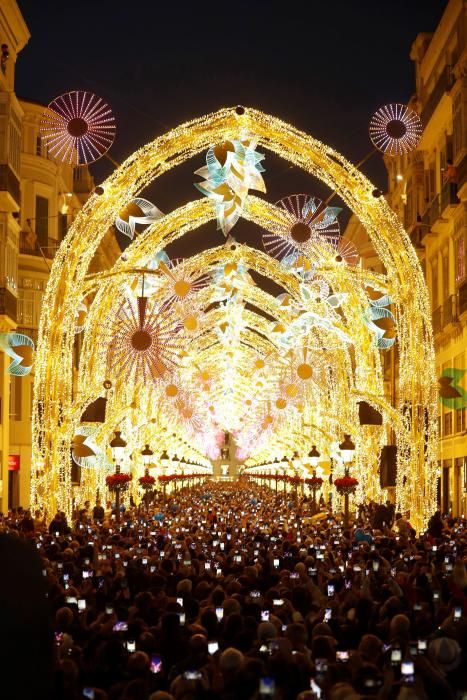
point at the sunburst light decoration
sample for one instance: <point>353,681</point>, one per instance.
<point>78,127</point>
<point>144,340</point>
<point>20,348</point>
<point>139,211</point>
<point>183,283</point>
<point>395,129</point>
<point>232,168</point>
<point>306,224</point>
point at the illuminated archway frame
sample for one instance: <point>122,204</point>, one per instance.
<point>93,371</point>
<point>53,375</point>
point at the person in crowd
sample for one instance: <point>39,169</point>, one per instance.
<point>231,590</point>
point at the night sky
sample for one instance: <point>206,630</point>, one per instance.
<point>324,66</point>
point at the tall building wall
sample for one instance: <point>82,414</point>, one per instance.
<point>433,209</point>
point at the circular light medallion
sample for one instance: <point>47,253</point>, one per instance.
<point>395,129</point>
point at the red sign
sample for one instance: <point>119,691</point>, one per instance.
<point>13,463</point>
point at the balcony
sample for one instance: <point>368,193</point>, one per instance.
<point>449,196</point>
<point>9,189</point>
<point>462,176</point>
<point>443,85</point>
<point>8,303</point>
<point>462,298</point>
<point>416,233</point>
<point>436,319</point>
<point>28,247</point>
<point>450,310</point>
<point>30,332</point>
<point>432,212</point>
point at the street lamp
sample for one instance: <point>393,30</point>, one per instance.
<point>117,445</point>
<point>313,456</point>
<point>164,459</point>
<point>347,449</point>
<point>147,481</point>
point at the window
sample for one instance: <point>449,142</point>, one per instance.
<point>460,259</point>
<point>42,220</point>
<point>62,226</point>
<point>448,423</point>
<point>434,283</point>
<point>38,145</point>
<point>15,398</point>
<point>460,420</point>
<point>445,276</point>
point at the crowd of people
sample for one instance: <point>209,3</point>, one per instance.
<point>233,591</point>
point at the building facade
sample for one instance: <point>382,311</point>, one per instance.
<point>39,199</point>
<point>427,188</point>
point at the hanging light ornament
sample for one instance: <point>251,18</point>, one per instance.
<point>380,320</point>
<point>395,129</point>
<point>138,211</point>
<point>232,168</point>
<point>22,354</point>
<point>78,128</point>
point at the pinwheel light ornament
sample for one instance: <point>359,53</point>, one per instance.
<point>395,129</point>
<point>83,450</point>
<point>20,348</point>
<point>78,128</point>
<point>380,320</point>
<point>139,211</point>
<point>232,168</point>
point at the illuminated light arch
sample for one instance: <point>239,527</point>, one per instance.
<point>53,372</point>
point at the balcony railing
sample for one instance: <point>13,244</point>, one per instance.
<point>8,303</point>
<point>437,320</point>
<point>46,248</point>
<point>449,195</point>
<point>450,309</point>
<point>31,332</point>
<point>432,212</point>
<point>444,84</point>
<point>462,172</point>
<point>416,236</point>
<point>9,183</point>
<point>462,299</point>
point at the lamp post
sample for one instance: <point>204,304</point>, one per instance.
<point>296,462</point>
<point>175,463</point>
<point>313,456</point>
<point>117,445</point>
<point>347,449</point>
<point>285,462</point>
<point>276,473</point>
<point>147,455</point>
<point>164,459</point>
